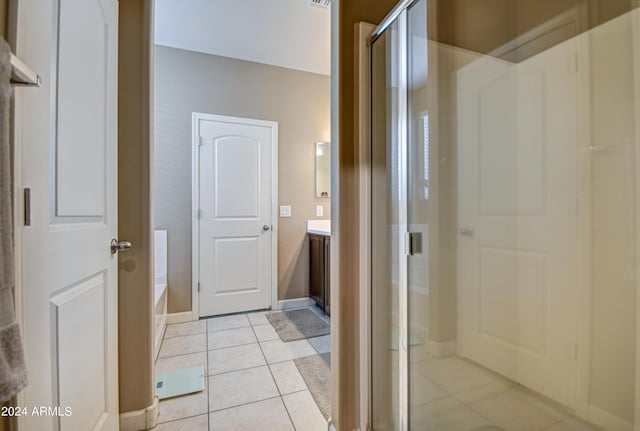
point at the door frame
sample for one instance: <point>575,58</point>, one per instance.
<point>195,199</point>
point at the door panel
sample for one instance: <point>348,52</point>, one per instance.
<point>68,135</point>
<point>81,115</point>
<point>236,177</point>
<point>235,205</point>
<point>84,302</point>
<point>518,251</point>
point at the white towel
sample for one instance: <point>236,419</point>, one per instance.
<point>13,371</point>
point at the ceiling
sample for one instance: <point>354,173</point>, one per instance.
<point>285,33</point>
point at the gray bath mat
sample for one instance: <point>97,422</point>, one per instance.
<point>316,372</point>
<point>297,324</point>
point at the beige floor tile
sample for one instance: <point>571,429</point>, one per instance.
<point>277,351</point>
<point>446,414</point>
<point>287,377</point>
<point>240,387</point>
<point>173,363</point>
<point>230,338</point>
<point>184,406</point>
<point>304,412</point>
<point>227,322</point>
<point>266,333</point>
<point>258,318</point>
<point>183,345</point>
<point>235,358</point>
<point>195,423</point>
<point>187,328</point>
<point>511,407</point>
<point>423,390</point>
<point>321,344</point>
<point>455,374</point>
<point>571,425</point>
<point>268,415</point>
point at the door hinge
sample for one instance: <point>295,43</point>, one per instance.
<point>198,286</point>
<point>27,206</point>
<point>199,213</point>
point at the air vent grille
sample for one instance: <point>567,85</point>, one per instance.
<point>320,3</point>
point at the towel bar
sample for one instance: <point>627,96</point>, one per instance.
<point>22,75</point>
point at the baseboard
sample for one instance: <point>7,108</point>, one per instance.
<point>287,304</point>
<point>140,420</point>
<point>185,316</point>
<point>442,350</point>
<point>603,418</point>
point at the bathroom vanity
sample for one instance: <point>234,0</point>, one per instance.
<point>319,232</point>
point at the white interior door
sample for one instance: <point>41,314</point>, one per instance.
<point>517,244</point>
<point>236,264</point>
<point>67,131</point>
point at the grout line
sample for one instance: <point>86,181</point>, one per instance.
<point>227,329</point>
<point>297,392</point>
<point>180,354</point>
<point>183,418</point>
<point>276,383</point>
<point>245,404</point>
<point>230,347</point>
<point>182,335</point>
<point>235,371</point>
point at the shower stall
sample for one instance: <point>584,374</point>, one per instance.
<point>505,189</point>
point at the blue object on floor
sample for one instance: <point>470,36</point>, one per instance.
<point>180,382</point>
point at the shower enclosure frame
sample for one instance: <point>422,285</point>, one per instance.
<point>399,14</point>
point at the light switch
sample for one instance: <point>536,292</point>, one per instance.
<point>285,210</point>
<point>319,210</point>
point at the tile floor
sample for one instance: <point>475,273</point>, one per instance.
<point>252,382</point>
<point>455,394</point>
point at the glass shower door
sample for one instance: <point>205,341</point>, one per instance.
<point>506,203</point>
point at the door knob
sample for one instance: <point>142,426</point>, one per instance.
<point>117,246</point>
<point>266,227</point>
<point>466,231</point>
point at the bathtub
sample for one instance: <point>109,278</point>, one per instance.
<point>160,286</point>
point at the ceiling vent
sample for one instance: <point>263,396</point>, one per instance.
<point>320,3</point>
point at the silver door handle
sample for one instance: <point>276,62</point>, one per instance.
<point>117,246</point>
<point>266,227</point>
<point>466,231</point>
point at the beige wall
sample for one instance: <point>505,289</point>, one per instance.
<point>346,358</point>
<point>188,82</point>
<point>487,25</point>
<point>135,267</point>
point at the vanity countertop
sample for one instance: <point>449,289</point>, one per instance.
<point>319,227</point>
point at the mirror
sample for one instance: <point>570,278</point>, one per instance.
<point>323,169</point>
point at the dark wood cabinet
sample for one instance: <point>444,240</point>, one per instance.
<point>320,271</point>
